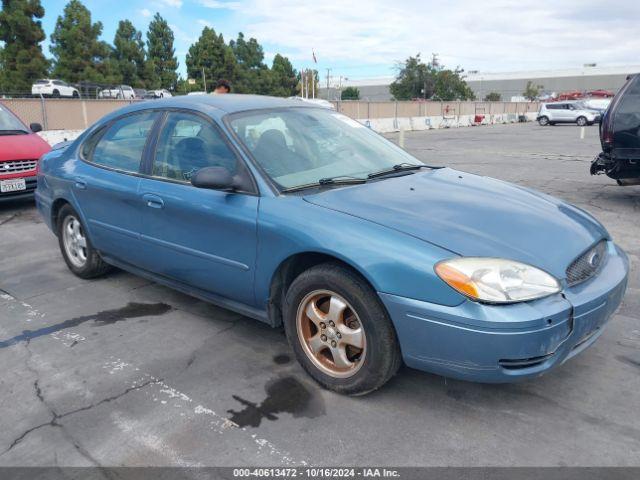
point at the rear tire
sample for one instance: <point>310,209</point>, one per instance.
<point>55,94</point>
<point>543,121</point>
<point>581,121</point>
<point>76,248</point>
<point>347,342</point>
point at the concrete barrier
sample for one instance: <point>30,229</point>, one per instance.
<point>389,125</point>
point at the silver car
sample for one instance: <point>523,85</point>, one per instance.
<point>566,112</point>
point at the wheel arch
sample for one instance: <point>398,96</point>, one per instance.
<point>56,206</point>
<point>290,268</point>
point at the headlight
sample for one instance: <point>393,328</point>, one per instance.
<point>496,280</point>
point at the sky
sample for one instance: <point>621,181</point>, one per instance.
<point>368,38</point>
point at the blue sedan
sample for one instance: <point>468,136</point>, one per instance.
<point>303,218</point>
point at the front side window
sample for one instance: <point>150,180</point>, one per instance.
<point>300,146</point>
<point>188,143</point>
<point>121,146</point>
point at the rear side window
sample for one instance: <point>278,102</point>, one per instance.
<point>121,145</point>
<point>553,107</point>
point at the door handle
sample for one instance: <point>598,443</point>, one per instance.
<point>80,184</point>
<point>153,201</point>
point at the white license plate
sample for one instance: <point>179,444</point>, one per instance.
<point>12,185</point>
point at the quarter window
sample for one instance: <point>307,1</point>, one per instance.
<point>187,144</point>
<point>122,144</point>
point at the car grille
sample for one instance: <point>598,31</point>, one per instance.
<point>17,166</point>
<point>587,264</point>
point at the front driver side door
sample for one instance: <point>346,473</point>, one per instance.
<point>202,238</point>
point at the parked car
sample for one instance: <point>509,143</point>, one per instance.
<point>162,93</point>
<point>316,101</point>
<point>566,112</point>
<point>54,88</point>
<point>124,92</point>
<point>598,105</point>
<point>300,216</point>
<point>20,149</point>
<point>140,93</point>
<point>620,136</point>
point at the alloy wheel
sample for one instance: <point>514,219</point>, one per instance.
<point>74,240</point>
<point>331,333</point>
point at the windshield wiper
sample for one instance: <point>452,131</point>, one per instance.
<point>338,180</point>
<point>400,167</point>
<point>13,132</point>
<point>341,179</point>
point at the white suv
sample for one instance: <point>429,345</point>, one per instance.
<point>54,88</point>
<point>566,112</point>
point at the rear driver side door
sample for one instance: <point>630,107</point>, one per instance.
<point>199,237</point>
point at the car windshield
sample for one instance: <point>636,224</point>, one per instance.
<point>304,146</point>
<point>9,123</point>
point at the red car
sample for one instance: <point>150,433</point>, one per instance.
<point>20,149</point>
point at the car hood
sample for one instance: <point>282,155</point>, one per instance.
<point>472,215</point>
<point>22,147</point>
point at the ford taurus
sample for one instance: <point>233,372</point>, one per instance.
<point>303,218</point>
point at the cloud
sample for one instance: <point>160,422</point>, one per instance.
<point>145,12</point>
<point>491,35</point>
<point>172,3</point>
<point>220,4</point>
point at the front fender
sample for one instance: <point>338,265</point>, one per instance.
<point>392,262</point>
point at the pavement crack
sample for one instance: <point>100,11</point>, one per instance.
<point>110,399</point>
<point>8,219</point>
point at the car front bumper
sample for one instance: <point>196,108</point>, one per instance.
<point>28,193</point>
<point>504,343</point>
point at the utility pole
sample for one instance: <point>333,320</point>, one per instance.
<point>313,83</point>
<point>302,83</point>
<point>328,76</point>
<point>204,79</point>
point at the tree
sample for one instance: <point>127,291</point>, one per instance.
<point>450,85</point>
<point>414,80</point>
<point>350,93</point>
<point>128,54</point>
<point>531,91</point>
<point>78,53</point>
<point>251,74</point>
<point>21,59</point>
<point>493,97</point>
<point>161,54</point>
<point>211,54</point>
<point>418,80</point>
<point>284,79</point>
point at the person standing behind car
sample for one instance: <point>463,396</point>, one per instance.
<point>222,86</point>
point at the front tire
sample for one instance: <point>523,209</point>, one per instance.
<point>581,121</point>
<point>340,331</point>
<point>543,121</point>
<point>78,253</point>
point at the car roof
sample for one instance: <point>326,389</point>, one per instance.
<point>225,103</point>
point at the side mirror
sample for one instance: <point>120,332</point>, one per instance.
<point>214,178</point>
<point>35,127</point>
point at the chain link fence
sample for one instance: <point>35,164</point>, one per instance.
<point>61,113</point>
